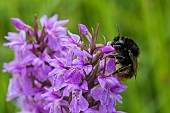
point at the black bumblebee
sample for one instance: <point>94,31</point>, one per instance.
<point>127,52</point>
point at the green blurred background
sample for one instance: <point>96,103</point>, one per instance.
<point>145,21</point>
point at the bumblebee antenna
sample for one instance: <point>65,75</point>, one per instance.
<point>118,30</point>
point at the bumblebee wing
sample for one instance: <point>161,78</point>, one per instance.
<point>134,61</point>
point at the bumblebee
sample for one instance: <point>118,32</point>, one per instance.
<point>126,55</point>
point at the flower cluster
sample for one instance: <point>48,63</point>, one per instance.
<point>53,72</point>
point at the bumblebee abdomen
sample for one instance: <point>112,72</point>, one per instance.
<point>131,45</point>
<point>125,75</point>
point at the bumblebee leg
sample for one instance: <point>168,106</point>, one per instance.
<point>121,69</point>
<point>117,56</point>
<point>123,73</point>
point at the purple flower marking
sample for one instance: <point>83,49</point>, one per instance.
<point>108,92</point>
<point>56,101</point>
<point>17,41</point>
<point>78,103</point>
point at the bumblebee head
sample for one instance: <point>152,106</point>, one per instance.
<point>118,42</point>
